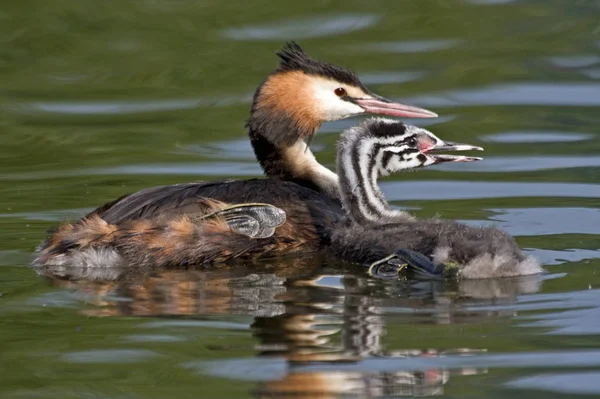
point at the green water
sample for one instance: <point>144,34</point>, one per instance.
<point>102,98</point>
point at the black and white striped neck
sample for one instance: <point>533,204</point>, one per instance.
<point>360,162</point>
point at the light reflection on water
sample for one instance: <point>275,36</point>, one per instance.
<point>304,28</point>
<point>581,383</point>
<point>536,137</point>
<point>297,321</point>
<point>525,94</point>
<point>335,331</point>
<point>127,107</point>
<point>579,61</point>
<point>542,221</point>
<point>528,163</point>
<point>431,190</point>
<point>414,46</point>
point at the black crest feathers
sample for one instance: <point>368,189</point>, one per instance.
<point>380,128</point>
<point>293,58</point>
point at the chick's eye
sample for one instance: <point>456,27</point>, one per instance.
<point>413,142</point>
<point>340,92</point>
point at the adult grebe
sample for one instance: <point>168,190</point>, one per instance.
<point>376,234</point>
<point>288,107</point>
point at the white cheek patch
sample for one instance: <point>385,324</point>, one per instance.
<point>394,165</point>
<point>329,106</point>
<point>398,164</point>
<point>412,162</point>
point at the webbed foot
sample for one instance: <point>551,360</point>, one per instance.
<point>254,220</point>
<point>412,261</point>
<point>386,267</point>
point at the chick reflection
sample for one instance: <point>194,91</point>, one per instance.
<point>345,322</point>
<point>306,312</point>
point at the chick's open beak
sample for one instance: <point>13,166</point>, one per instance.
<point>445,146</point>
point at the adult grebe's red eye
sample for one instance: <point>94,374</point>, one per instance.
<point>340,92</point>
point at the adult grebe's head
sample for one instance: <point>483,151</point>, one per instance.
<point>303,93</point>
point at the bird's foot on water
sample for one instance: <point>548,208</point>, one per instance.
<point>254,220</point>
<point>405,259</point>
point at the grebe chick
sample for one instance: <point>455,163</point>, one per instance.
<point>376,234</point>
<point>288,108</point>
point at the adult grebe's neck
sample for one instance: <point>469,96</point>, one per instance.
<point>295,163</point>
<point>358,171</point>
<point>277,139</point>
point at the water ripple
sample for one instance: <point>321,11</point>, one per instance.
<point>270,369</point>
<point>380,78</point>
<point>232,149</point>
<point>410,46</point>
<point>14,257</point>
<point>49,216</point>
<point>581,316</point>
<point>197,324</point>
<point>124,107</point>
<point>452,190</point>
<point>570,255</point>
<point>549,94</point>
<point>546,221</point>
<point>587,358</point>
<point>524,164</point>
<point>153,338</point>
<point>490,2</point>
<point>206,169</point>
<point>198,168</point>
<point>110,356</point>
<point>536,137</point>
<point>304,28</point>
<point>593,73</point>
<point>576,61</point>
<point>571,322</point>
<point>242,369</point>
<point>584,382</point>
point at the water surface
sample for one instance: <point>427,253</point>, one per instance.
<point>98,99</point>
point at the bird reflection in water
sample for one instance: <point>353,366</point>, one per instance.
<point>307,312</point>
